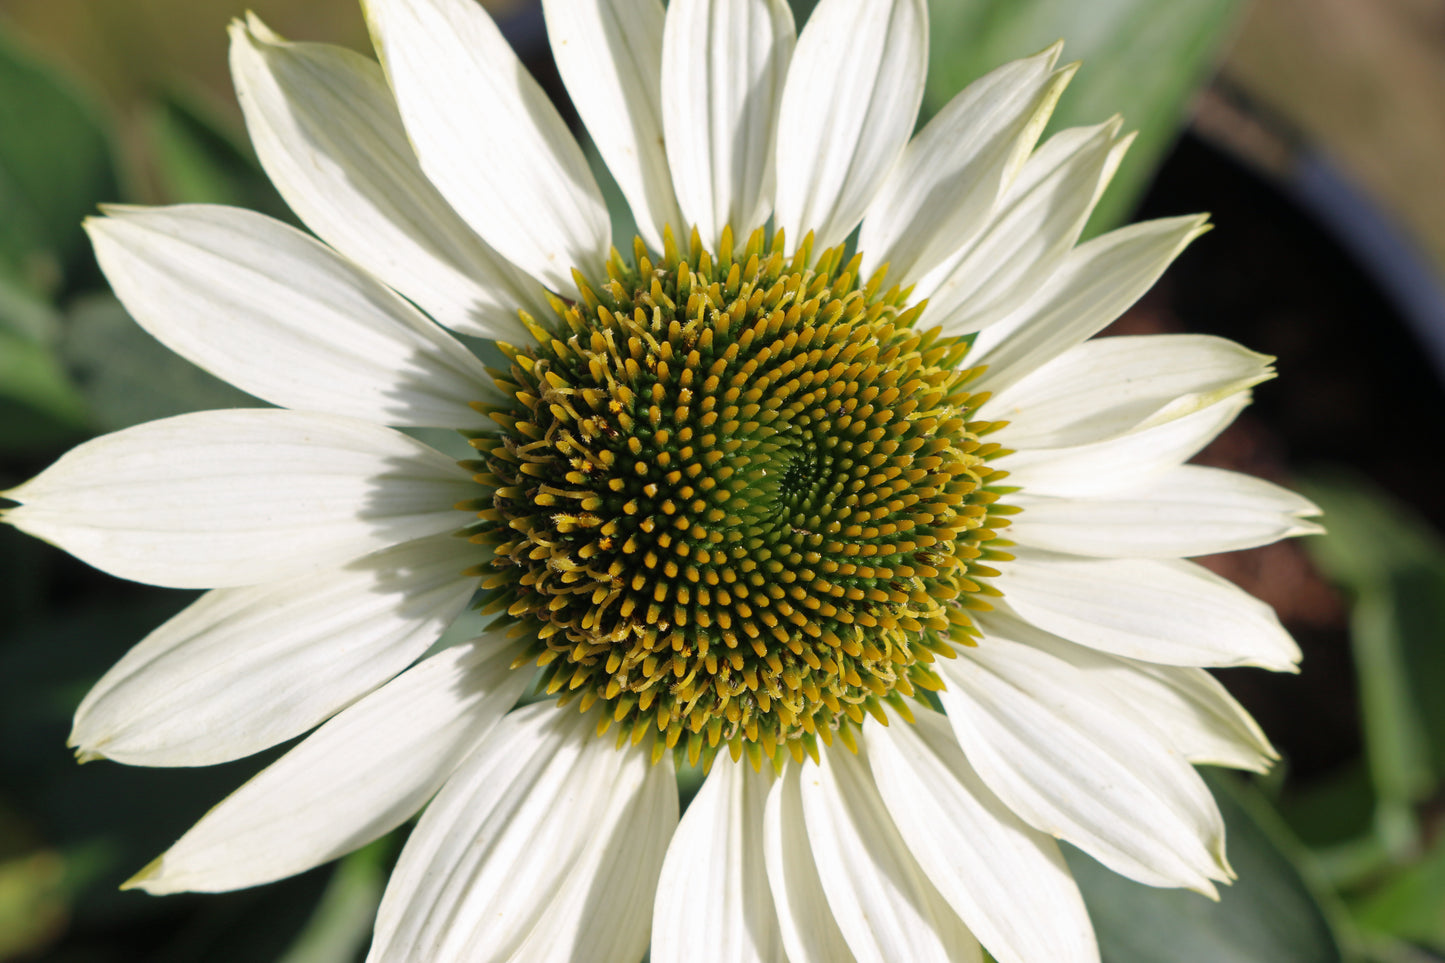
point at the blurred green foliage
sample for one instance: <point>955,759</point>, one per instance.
<point>1390,868</point>
<point>1141,58</point>
<point>72,364</point>
<point>55,163</point>
<point>201,162</point>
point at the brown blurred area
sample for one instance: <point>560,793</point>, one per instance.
<point>1365,81</point>
<point>126,49</point>
<point>126,52</point>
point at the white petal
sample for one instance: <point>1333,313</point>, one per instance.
<point>1007,881</point>
<point>223,498</point>
<point>603,912</point>
<point>609,53</point>
<point>1108,387</point>
<point>243,669</point>
<point>723,67</point>
<point>713,901</point>
<point>1196,714</point>
<point>945,185</point>
<point>359,776</point>
<point>1156,610</point>
<point>328,133</point>
<point>848,108</point>
<point>1097,282</point>
<point>275,313</point>
<point>1033,228</point>
<point>1186,511</point>
<point>810,933</point>
<point>883,902</point>
<point>489,138</point>
<point>545,845</point>
<point>1187,707</point>
<point>1119,464</point>
<point>1068,757</point>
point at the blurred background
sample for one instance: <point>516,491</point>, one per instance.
<point>1313,130</point>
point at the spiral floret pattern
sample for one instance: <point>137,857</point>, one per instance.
<point>740,499</point>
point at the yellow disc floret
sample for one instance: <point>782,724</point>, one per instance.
<point>738,499</point>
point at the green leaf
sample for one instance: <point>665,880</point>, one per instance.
<point>39,407</point>
<point>1141,58</point>
<point>127,377</point>
<point>30,374</point>
<point>1330,809</point>
<point>1393,566</point>
<point>24,311</point>
<point>55,166</point>
<point>340,927</point>
<point>201,161</point>
<point>1371,536</point>
<point>1269,915</point>
<point>1411,904</point>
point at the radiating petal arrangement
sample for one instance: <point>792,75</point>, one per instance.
<point>825,487</point>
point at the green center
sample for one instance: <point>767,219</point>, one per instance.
<point>740,501</point>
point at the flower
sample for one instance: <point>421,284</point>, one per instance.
<point>741,497</point>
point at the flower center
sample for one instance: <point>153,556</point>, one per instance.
<point>739,500</point>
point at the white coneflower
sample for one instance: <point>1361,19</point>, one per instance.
<point>745,496</point>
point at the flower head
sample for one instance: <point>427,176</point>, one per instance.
<point>740,501</point>
<point>862,524</point>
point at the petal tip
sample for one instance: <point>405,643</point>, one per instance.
<point>96,225</point>
<point>1206,889</point>
<point>111,213</point>
<point>14,516</point>
<point>1286,661</point>
<point>149,878</point>
<point>84,755</point>
<point>1122,143</point>
<point>86,747</point>
<point>248,36</point>
<point>1050,54</point>
<point>260,31</point>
